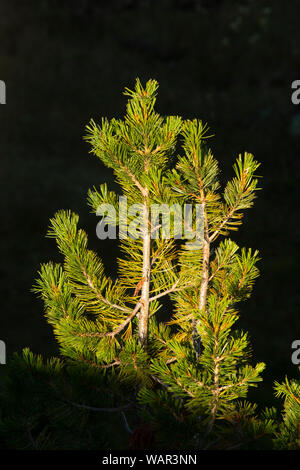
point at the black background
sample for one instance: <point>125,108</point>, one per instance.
<point>228,63</point>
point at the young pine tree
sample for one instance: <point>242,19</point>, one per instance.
<point>191,372</point>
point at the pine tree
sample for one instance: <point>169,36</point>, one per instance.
<point>112,324</point>
<point>187,371</point>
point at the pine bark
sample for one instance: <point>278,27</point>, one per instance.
<point>144,312</point>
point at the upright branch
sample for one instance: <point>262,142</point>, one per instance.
<point>204,280</point>
<point>144,311</point>
<point>205,259</point>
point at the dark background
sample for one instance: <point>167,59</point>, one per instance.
<point>228,63</point>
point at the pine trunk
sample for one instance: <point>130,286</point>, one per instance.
<point>144,313</point>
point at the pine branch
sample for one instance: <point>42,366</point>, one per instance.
<point>99,295</point>
<point>94,408</point>
<point>166,292</point>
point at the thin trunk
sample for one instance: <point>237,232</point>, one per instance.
<point>205,273</point>
<point>204,283</point>
<point>144,312</point>
<point>216,396</point>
